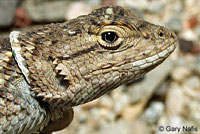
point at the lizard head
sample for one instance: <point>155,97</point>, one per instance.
<point>80,60</point>
<point>120,48</point>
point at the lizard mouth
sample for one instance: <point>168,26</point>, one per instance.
<point>155,59</point>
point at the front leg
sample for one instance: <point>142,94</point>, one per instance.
<point>60,120</point>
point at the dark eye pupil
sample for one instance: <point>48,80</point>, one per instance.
<point>161,34</point>
<point>109,37</point>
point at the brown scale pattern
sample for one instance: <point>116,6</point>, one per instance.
<point>66,64</point>
<point>16,106</point>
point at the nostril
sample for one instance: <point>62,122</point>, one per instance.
<point>173,35</point>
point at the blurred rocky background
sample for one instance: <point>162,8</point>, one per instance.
<point>167,96</point>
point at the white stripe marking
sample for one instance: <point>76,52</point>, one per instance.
<point>144,63</point>
<point>163,53</point>
<point>153,58</point>
<point>17,50</point>
<point>139,63</point>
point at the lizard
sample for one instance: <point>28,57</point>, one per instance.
<point>47,71</point>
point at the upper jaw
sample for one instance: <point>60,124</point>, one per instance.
<point>152,60</point>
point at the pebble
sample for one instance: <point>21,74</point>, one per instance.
<point>194,112</point>
<point>153,113</point>
<point>180,73</point>
<point>46,11</point>
<point>197,31</point>
<point>95,113</point>
<point>131,112</point>
<point>83,117</point>
<point>175,100</point>
<point>84,130</point>
<point>155,6</point>
<point>7,12</point>
<point>121,102</point>
<point>174,23</point>
<point>186,46</point>
<point>177,7</point>
<point>196,65</point>
<point>193,83</point>
<point>81,8</point>
<point>141,127</point>
<point>120,127</point>
<point>129,3</point>
<point>107,114</point>
<point>106,102</point>
<point>189,35</point>
<point>162,90</point>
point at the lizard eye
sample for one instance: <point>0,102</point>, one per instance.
<point>109,36</point>
<point>160,33</point>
